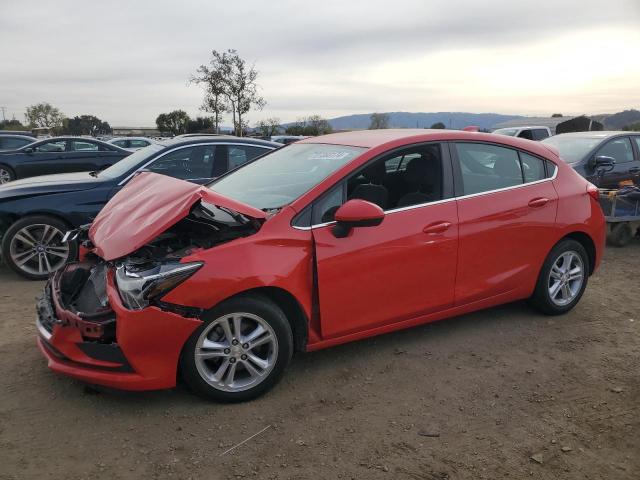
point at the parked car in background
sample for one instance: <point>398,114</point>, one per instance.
<point>530,133</point>
<point>287,139</point>
<point>35,213</point>
<point>25,133</point>
<point>329,240</point>
<point>131,143</point>
<point>58,155</point>
<point>14,142</point>
<point>604,158</point>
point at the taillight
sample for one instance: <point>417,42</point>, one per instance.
<point>593,192</point>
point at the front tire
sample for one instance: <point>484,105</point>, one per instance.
<point>563,278</point>
<point>239,352</point>
<point>6,174</point>
<point>621,234</point>
<point>32,247</point>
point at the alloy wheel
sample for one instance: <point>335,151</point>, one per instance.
<point>38,249</point>
<point>5,176</point>
<point>236,352</point>
<point>566,278</point>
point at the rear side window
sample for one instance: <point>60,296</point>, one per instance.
<point>80,146</point>
<point>540,134</point>
<point>532,168</point>
<point>637,140</point>
<point>120,143</point>
<point>11,143</point>
<point>487,167</point>
<point>528,134</point>
<point>242,154</point>
<point>618,149</point>
<point>138,143</point>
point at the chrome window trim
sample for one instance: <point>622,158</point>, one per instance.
<point>438,202</point>
<point>189,146</point>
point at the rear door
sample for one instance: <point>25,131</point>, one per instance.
<point>401,269</point>
<point>507,208</point>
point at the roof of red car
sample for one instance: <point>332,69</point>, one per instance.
<point>376,138</point>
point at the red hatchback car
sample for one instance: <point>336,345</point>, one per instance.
<point>325,241</point>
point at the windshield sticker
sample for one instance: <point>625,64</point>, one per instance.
<point>328,155</point>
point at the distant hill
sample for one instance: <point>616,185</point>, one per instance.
<point>621,119</point>
<point>455,120</point>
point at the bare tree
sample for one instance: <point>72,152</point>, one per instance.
<point>242,89</point>
<point>44,115</point>
<point>230,86</point>
<point>213,78</point>
<point>378,121</point>
<point>269,126</point>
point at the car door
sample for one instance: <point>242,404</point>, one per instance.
<point>506,208</point>
<point>626,168</point>
<point>81,156</point>
<point>41,159</point>
<point>398,270</point>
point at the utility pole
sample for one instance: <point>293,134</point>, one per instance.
<point>4,119</point>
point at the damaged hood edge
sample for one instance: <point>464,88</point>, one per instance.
<point>149,205</point>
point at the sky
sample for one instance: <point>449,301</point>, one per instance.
<point>128,61</point>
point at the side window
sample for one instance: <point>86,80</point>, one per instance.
<point>56,146</point>
<point>242,154</point>
<point>532,167</point>
<point>184,163</point>
<point>137,143</point>
<point>487,167</point>
<point>619,149</point>
<point>121,143</point>
<point>400,180</point>
<point>526,134</point>
<point>540,134</point>
<point>324,210</point>
<point>80,146</point>
<point>11,143</point>
<point>636,138</point>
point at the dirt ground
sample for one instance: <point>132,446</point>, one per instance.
<point>473,397</point>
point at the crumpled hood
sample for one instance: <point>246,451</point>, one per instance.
<point>146,207</point>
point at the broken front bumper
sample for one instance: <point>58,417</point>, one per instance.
<point>119,348</point>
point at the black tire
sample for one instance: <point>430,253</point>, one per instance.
<point>32,221</point>
<point>9,171</point>
<point>257,305</point>
<point>620,234</point>
<point>541,298</point>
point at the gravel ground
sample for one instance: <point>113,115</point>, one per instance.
<point>503,393</point>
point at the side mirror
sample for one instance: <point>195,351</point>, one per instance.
<point>356,213</point>
<point>603,164</point>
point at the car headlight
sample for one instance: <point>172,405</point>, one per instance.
<point>139,286</point>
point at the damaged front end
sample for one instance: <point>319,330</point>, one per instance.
<point>105,314</point>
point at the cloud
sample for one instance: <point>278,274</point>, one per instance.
<point>128,61</point>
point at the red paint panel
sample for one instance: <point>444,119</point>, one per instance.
<point>504,240</point>
<point>388,273</point>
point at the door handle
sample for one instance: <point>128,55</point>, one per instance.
<point>438,227</point>
<point>634,170</point>
<point>538,202</point>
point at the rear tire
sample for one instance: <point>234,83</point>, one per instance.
<point>563,278</point>
<point>621,234</point>
<point>32,246</point>
<point>221,365</point>
<point>6,174</point>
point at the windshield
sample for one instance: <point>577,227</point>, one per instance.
<point>130,162</point>
<point>506,131</point>
<point>572,149</point>
<point>280,177</point>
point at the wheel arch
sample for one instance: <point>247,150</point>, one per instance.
<point>292,309</point>
<point>587,242</point>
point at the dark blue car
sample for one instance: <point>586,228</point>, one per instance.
<point>36,212</point>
